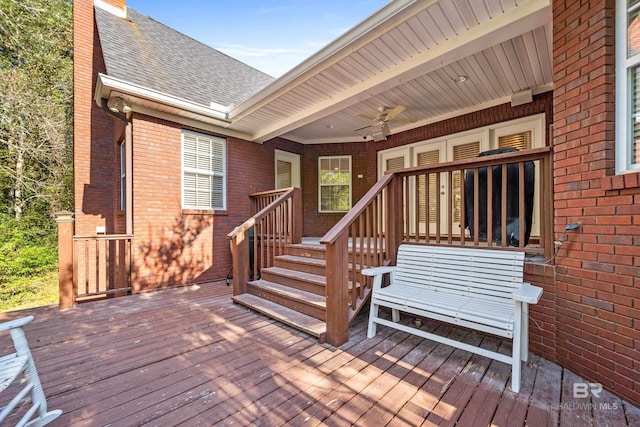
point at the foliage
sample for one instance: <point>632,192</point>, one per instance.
<point>36,68</point>
<point>28,261</point>
<point>29,292</point>
<point>35,106</point>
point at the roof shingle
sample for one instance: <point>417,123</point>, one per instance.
<point>144,52</point>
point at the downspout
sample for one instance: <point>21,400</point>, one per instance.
<point>128,147</point>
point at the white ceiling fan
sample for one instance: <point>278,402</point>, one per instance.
<point>384,116</point>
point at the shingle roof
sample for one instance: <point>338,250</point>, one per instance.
<point>145,52</point>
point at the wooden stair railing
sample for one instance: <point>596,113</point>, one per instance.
<point>362,228</point>
<point>278,223</point>
<point>388,214</point>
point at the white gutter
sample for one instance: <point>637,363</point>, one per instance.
<point>106,84</point>
<point>359,36</point>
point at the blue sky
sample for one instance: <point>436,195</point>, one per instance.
<point>272,36</point>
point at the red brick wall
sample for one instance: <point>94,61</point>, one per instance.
<point>542,328</point>
<point>173,246</point>
<point>598,267</point>
<point>93,130</point>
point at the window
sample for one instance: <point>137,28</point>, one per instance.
<point>123,175</point>
<point>519,141</point>
<point>203,171</point>
<point>335,184</point>
<point>627,85</point>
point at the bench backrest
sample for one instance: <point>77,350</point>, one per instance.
<point>458,270</point>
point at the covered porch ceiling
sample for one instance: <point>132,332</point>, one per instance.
<point>409,53</point>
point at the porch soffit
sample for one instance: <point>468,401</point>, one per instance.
<point>409,57</point>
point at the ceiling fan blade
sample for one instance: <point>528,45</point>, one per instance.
<point>385,130</point>
<point>362,128</point>
<point>367,117</point>
<point>394,112</point>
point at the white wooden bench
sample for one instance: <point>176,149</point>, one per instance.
<point>480,289</point>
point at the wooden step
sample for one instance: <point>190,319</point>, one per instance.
<point>306,250</point>
<point>297,320</point>
<point>305,302</point>
<point>296,279</point>
<point>301,263</point>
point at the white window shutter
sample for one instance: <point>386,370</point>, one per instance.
<point>203,171</point>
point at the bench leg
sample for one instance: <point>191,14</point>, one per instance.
<point>516,358</point>
<point>395,315</point>
<point>524,352</point>
<point>373,314</point>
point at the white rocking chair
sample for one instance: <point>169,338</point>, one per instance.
<point>19,378</point>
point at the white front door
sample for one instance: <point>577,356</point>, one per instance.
<point>287,169</point>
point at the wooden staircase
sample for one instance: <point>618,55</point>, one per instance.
<point>293,291</point>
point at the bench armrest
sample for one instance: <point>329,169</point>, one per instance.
<point>375,271</point>
<point>17,323</point>
<point>528,293</point>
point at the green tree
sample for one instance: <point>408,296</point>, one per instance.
<point>35,106</point>
<point>36,67</point>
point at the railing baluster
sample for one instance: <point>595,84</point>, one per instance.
<point>476,206</point>
<point>101,282</point>
<point>521,205</point>
<point>489,223</point>
<point>450,207</point>
<point>438,208</point>
<point>503,206</point>
<point>461,225</point>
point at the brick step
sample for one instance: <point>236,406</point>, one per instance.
<point>295,319</point>
<point>302,301</point>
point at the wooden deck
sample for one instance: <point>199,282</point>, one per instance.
<point>190,356</point>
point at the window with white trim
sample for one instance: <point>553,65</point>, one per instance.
<point>627,85</point>
<point>334,180</point>
<point>123,175</point>
<point>203,171</point>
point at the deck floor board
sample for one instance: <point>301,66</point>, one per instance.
<point>190,356</point>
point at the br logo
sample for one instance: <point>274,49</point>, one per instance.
<point>583,390</point>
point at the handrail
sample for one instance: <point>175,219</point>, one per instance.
<point>271,192</point>
<point>104,237</point>
<point>245,226</point>
<point>388,214</point>
<point>476,162</point>
<point>331,235</point>
<point>275,225</point>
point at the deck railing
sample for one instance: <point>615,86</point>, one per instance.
<point>102,265</point>
<point>264,236</point>
<point>406,205</point>
<point>90,267</point>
